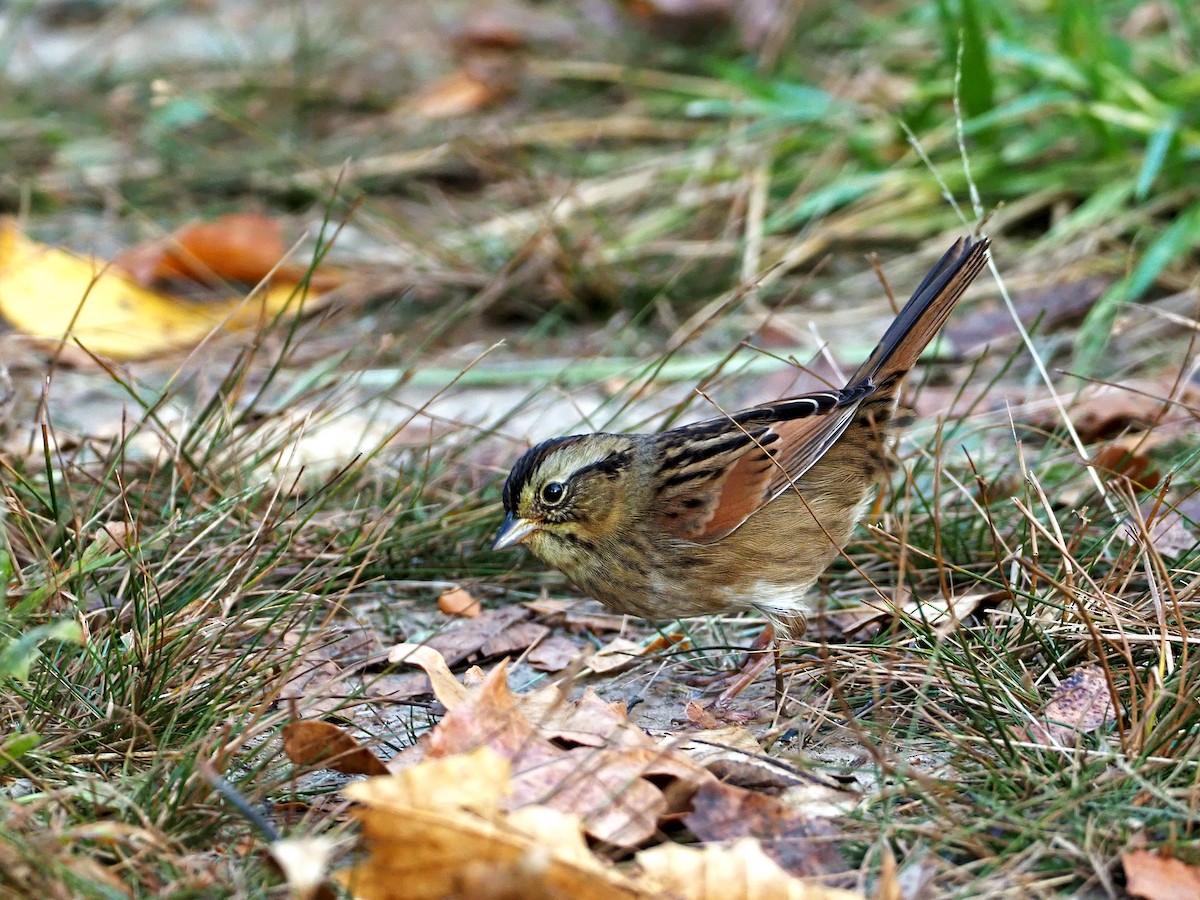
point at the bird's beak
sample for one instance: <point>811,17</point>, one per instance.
<point>514,531</point>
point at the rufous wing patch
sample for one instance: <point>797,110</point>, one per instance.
<point>706,509</point>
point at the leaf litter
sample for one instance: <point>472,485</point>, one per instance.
<point>509,785</point>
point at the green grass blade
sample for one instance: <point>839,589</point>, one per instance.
<point>1156,155</point>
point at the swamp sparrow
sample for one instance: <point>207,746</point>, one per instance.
<point>743,511</point>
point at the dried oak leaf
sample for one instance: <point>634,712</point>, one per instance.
<point>1104,412</point>
<point>311,743</point>
<point>1153,876</point>
<point>801,846</point>
<point>616,804</point>
<point>439,830</point>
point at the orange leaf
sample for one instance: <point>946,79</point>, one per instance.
<point>458,602</point>
<point>1153,876</point>
<point>311,743</point>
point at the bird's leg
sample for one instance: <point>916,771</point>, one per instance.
<point>756,660</point>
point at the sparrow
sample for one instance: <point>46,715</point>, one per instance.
<point>738,512</point>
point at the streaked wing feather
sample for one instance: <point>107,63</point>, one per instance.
<point>729,472</point>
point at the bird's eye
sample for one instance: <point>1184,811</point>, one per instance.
<point>553,492</point>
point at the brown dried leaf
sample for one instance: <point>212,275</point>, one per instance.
<point>739,872</point>
<point>459,602</point>
<point>311,743</point>
<point>445,686</point>
<point>516,639</point>
<point>1081,704</point>
<point>1153,876</point>
<point>394,688</point>
<point>240,247</point>
<point>477,781</point>
<point>1051,308</point>
<point>115,536</point>
<point>1127,458</point>
<point>603,787</point>
<point>553,654</point>
<point>489,716</point>
<point>699,715</point>
<point>1163,526</point>
<point>576,616</point>
<point>619,653</point>
<point>866,620</point>
<point>604,780</point>
<point>1103,412</point>
<point>468,638</point>
<point>318,686</point>
<point>439,829</point>
<point>800,845</point>
<point>735,757</point>
<point>587,722</point>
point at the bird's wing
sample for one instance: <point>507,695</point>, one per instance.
<point>714,475</point>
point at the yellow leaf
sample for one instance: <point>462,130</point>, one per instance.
<point>55,295</point>
<point>740,871</point>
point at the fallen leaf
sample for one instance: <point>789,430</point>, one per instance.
<point>396,688</point>
<point>699,715</point>
<point>1058,305</point>
<point>867,620</point>
<point>690,21</point>
<point>1081,704</point>
<point>665,641</point>
<point>439,829</point>
<point>553,654</point>
<point>308,742</point>
<point>240,247</point>
<point>577,615</point>
<point>738,872</point>
<point>445,686</point>
<point>459,602</point>
<point>1118,458</point>
<point>316,685</point>
<point>1104,412</point>
<point>115,536</point>
<point>587,722</point>
<point>619,653</point>
<point>614,803</point>
<point>54,295</point>
<point>1152,876</point>
<point>304,864</point>
<point>468,638</point>
<point>517,639</point>
<point>1163,526</point>
<point>605,789</point>
<point>800,845</point>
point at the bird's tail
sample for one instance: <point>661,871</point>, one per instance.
<point>923,315</point>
